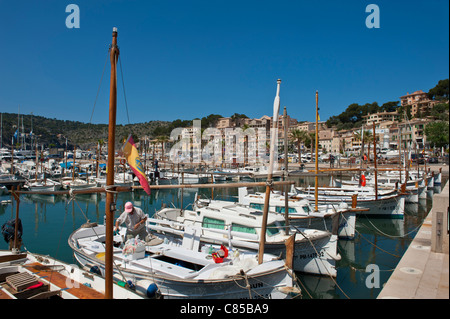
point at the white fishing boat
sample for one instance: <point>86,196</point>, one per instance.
<point>180,266</point>
<point>301,213</point>
<point>120,179</point>
<point>47,185</point>
<point>192,178</point>
<point>259,172</point>
<point>389,206</point>
<point>388,181</point>
<point>33,276</point>
<point>77,183</point>
<point>235,225</point>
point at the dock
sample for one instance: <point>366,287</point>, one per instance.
<point>423,271</point>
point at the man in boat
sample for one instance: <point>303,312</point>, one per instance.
<point>135,219</point>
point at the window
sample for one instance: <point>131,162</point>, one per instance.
<point>257,206</point>
<point>243,229</point>
<point>213,223</point>
<point>306,209</point>
<point>274,229</point>
<point>280,209</point>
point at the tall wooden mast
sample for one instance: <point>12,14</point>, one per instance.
<point>316,178</point>
<point>110,205</point>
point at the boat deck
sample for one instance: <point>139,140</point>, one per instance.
<point>82,291</point>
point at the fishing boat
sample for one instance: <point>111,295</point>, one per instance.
<point>34,276</point>
<point>223,222</point>
<point>46,185</point>
<point>120,179</point>
<point>259,172</point>
<point>192,178</point>
<point>415,188</point>
<point>179,265</point>
<point>300,212</point>
<point>389,205</point>
<point>77,183</point>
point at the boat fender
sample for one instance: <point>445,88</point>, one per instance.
<point>362,180</point>
<point>147,288</point>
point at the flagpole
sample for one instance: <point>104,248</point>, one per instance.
<point>316,178</point>
<point>109,206</point>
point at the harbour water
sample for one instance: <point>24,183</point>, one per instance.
<point>379,243</point>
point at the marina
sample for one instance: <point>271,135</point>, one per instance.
<point>48,220</point>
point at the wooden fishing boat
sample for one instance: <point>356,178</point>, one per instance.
<point>315,251</point>
<point>300,212</point>
<point>47,185</point>
<point>181,266</point>
<point>389,205</point>
<point>415,187</point>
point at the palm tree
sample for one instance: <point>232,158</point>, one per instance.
<point>162,139</point>
<point>298,136</point>
<point>368,138</point>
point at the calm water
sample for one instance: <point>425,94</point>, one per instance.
<point>49,220</point>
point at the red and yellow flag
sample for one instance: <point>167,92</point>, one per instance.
<point>132,155</point>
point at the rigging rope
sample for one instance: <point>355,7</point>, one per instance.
<point>123,86</point>
<point>98,90</point>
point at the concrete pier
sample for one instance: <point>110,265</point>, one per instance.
<point>423,271</point>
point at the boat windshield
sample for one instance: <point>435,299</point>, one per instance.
<point>243,228</point>
<point>281,209</point>
<point>209,222</point>
<point>275,228</point>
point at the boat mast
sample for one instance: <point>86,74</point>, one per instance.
<point>110,205</point>
<point>316,178</point>
<point>375,161</point>
<point>276,108</point>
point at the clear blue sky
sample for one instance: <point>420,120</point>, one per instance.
<point>187,59</point>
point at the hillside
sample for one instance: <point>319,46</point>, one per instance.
<point>53,132</point>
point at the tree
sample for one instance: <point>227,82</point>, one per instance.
<point>437,133</point>
<point>440,91</point>
<point>440,111</point>
<point>298,136</point>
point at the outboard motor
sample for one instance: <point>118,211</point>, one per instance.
<point>8,230</point>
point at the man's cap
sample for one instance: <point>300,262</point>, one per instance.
<point>128,207</point>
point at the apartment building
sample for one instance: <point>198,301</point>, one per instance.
<point>380,117</point>
<point>419,102</point>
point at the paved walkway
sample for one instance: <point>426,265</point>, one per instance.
<point>421,273</point>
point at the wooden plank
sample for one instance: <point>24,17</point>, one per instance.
<point>12,257</point>
<point>82,292</point>
<point>4,295</point>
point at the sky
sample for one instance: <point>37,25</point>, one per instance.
<point>188,59</point>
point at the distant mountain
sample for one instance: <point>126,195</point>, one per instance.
<point>53,132</point>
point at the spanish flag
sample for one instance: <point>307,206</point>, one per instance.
<point>132,155</point>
